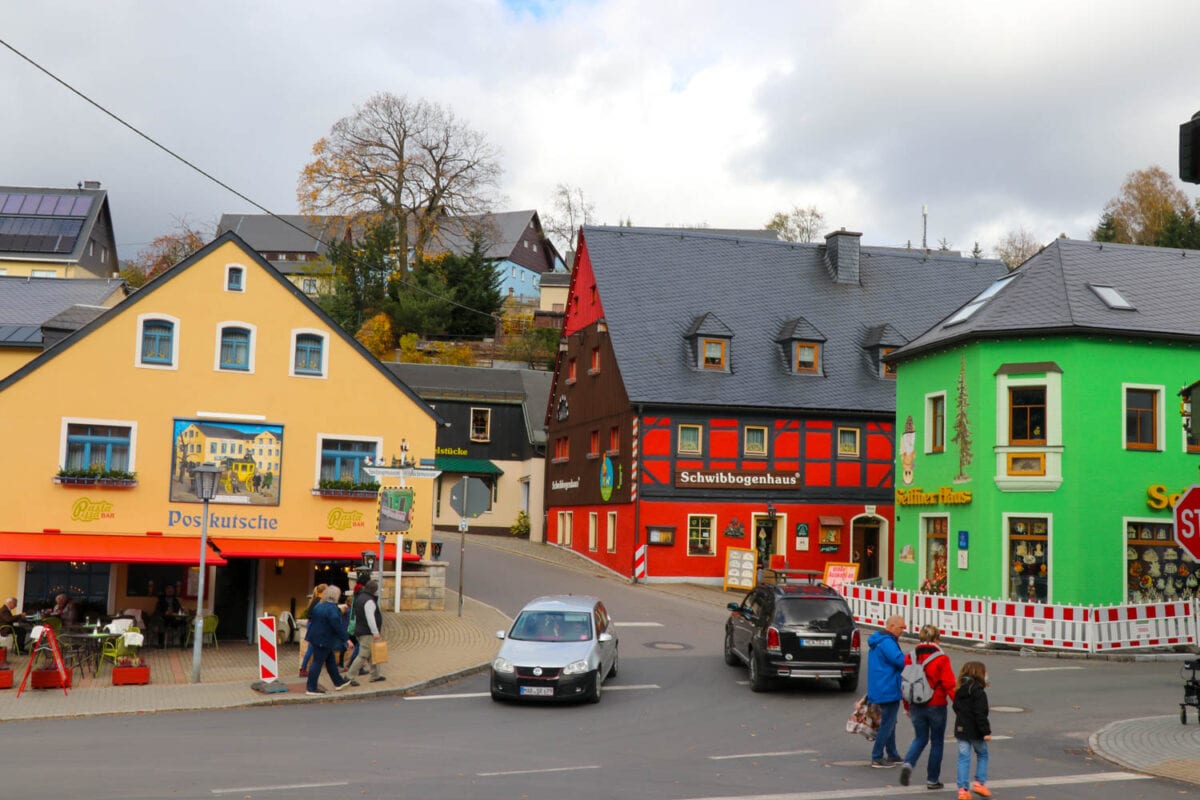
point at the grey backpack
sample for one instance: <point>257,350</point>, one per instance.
<point>915,687</point>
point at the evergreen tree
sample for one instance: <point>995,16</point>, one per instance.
<point>361,272</point>
<point>962,425</point>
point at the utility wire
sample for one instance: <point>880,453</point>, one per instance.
<point>218,181</point>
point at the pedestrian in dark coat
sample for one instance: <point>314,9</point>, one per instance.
<point>326,631</point>
<point>972,729</point>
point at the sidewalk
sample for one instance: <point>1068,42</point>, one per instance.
<point>429,647</point>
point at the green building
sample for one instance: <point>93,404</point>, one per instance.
<point>1043,437</point>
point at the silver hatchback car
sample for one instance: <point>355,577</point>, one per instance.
<point>560,647</point>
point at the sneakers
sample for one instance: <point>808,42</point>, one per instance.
<point>905,774</point>
<point>882,764</point>
<point>378,678</point>
<point>342,685</point>
<point>319,692</point>
<point>352,682</point>
<point>980,789</point>
<point>892,761</point>
<point>933,787</point>
<point>964,794</point>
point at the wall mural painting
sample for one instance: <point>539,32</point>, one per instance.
<point>250,456</point>
<point>962,425</point>
<point>908,451</point>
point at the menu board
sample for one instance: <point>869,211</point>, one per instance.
<point>740,568</point>
<point>837,573</point>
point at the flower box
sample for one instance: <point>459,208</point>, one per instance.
<point>364,494</point>
<point>111,483</point>
<point>48,679</point>
<point>130,676</point>
<point>5,678</point>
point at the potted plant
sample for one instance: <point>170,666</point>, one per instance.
<point>44,674</point>
<point>130,670</point>
<point>345,488</point>
<point>92,476</point>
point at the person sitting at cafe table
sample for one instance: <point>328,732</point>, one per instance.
<point>8,616</point>
<point>169,610</point>
<point>65,610</point>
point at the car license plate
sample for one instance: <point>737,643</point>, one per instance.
<point>538,691</point>
<point>816,642</point>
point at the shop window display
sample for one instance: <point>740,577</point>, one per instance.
<point>1029,556</point>
<point>935,555</point>
<point>1156,568</point>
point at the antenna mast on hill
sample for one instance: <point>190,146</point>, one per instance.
<point>924,225</point>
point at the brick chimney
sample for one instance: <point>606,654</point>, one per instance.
<point>842,255</point>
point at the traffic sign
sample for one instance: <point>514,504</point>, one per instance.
<point>1187,521</point>
<point>470,497</point>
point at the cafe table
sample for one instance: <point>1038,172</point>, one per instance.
<point>91,646</point>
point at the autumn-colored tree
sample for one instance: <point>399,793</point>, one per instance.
<point>1016,247</point>
<point>376,335</point>
<point>535,346</point>
<point>458,354</point>
<point>797,225</point>
<point>1138,215</point>
<point>165,252</point>
<point>411,161</point>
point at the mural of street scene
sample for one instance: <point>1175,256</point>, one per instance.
<point>249,455</point>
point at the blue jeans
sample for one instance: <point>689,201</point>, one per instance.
<point>322,657</point>
<point>886,738</point>
<point>929,725</point>
<point>964,761</point>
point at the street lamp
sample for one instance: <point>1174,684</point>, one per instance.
<point>206,477</point>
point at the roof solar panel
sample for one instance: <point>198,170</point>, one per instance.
<point>64,205</point>
<point>82,204</point>
<point>30,203</point>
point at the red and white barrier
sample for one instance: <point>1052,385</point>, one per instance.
<point>1040,625</point>
<point>872,605</point>
<point>639,563</point>
<point>268,657</point>
<point>1145,625</point>
<point>955,617</point>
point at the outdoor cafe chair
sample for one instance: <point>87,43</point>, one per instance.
<point>208,633</point>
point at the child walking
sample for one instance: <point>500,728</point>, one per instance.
<point>972,729</point>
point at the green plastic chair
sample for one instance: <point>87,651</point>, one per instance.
<point>208,632</point>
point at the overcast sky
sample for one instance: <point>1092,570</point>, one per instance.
<point>996,115</point>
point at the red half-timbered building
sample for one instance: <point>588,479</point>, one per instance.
<point>719,391</point>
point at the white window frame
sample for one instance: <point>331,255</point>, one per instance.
<point>699,439</point>
<point>746,451</point>
<point>1006,549</point>
<point>252,347</point>
<point>321,437</point>
<point>566,521</point>
<point>245,276</point>
<point>1052,450</point>
<point>1160,432</point>
<point>308,285</point>
<point>324,337</point>
<point>137,349</point>
<point>43,273</point>
<point>487,436</point>
<point>610,531</point>
<point>593,530</point>
<point>928,431</point>
<point>712,542</point>
<point>119,423</point>
<point>923,548</point>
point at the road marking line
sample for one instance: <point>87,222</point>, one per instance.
<point>638,624</point>
<point>447,696</point>
<point>1044,669</point>
<point>534,771</point>
<point>874,792</point>
<point>279,788</point>
<point>764,755</point>
<point>630,687</point>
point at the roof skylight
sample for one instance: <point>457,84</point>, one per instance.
<point>967,311</point>
<point>1111,297</point>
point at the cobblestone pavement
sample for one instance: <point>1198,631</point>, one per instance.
<point>428,647</point>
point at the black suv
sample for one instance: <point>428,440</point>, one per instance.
<point>794,630</point>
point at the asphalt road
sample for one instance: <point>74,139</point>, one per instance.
<point>675,724</point>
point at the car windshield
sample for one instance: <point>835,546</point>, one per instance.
<point>829,613</point>
<point>552,626</point>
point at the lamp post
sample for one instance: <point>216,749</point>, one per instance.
<point>206,477</point>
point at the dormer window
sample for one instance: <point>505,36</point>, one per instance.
<point>808,358</point>
<point>881,341</point>
<point>886,369</point>
<point>801,343</point>
<point>714,354</point>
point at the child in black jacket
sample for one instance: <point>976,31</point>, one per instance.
<point>972,729</point>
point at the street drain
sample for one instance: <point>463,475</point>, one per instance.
<point>668,646</point>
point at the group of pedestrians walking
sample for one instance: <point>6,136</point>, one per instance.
<point>332,630</point>
<point>967,695</point>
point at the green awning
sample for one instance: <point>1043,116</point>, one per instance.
<point>467,466</point>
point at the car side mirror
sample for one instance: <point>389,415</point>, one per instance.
<point>606,637</point>
<point>499,634</point>
<point>733,606</point>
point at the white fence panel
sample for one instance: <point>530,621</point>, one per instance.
<point>872,605</point>
<point>1145,625</point>
<point>955,617</point>
<point>1040,625</point>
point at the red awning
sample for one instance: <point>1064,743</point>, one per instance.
<point>323,550</point>
<point>145,549</point>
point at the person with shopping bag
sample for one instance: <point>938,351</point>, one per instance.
<point>368,629</point>
<point>885,660</point>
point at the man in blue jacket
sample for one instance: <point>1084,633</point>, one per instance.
<point>326,631</point>
<point>885,662</point>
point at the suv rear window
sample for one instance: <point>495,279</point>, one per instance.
<point>804,610</point>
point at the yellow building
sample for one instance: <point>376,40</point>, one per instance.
<point>219,360</point>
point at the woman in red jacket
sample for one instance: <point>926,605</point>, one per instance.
<point>929,720</point>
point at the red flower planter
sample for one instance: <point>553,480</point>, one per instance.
<point>130,676</point>
<point>48,679</point>
<point>5,678</point>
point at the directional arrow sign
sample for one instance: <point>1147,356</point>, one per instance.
<point>469,497</point>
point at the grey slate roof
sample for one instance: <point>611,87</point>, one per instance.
<point>1051,293</point>
<point>653,285</point>
<point>28,303</point>
<point>528,387</point>
<point>266,233</point>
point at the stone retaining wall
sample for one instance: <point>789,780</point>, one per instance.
<point>420,590</point>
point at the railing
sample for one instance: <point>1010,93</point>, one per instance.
<point>1059,627</point>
